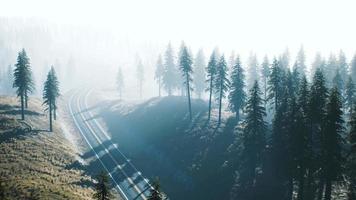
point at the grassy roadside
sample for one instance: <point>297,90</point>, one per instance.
<point>35,164</point>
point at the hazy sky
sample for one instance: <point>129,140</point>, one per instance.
<point>264,26</point>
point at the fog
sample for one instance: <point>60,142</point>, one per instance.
<point>87,41</point>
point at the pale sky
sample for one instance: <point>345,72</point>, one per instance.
<point>262,26</point>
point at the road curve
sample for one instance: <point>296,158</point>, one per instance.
<point>128,181</point>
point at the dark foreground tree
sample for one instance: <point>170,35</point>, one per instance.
<point>50,94</point>
<point>102,187</point>
<point>211,72</point>
<point>332,142</point>
<point>120,82</point>
<point>185,63</point>
<point>23,80</point>
<point>351,160</point>
<point>221,83</point>
<point>253,141</point>
<point>237,94</point>
<point>155,191</point>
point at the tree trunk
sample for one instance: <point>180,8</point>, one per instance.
<point>321,188</point>
<point>22,107</point>
<point>26,100</point>
<point>309,189</point>
<point>237,115</point>
<point>300,195</point>
<point>54,112</point>
<point>50,116</point>
<point>328,190</point>
<point>210,95</point>
<point>189,103</point>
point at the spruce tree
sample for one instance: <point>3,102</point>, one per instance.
<point>284,60</point>
<point>211,73</point>
<point>199,73</point>
<point>338,82</point>
<point>317,63</point>
<point>351,160</point>
<point>353,68</point>
<point>102,188</point>
<point>120,82</point>
<point>332,142</point>
<point>300,65</point>
<point>140,76</point>
<point>342,68</point>
<point>237,94</point>
<point>23,81</point>
<point>159,74</point>
<point>350,95</point>
<point>186,62</point>
<point>265,77</point>
<point>253,139</point>
<point>155,191</point>
<point>170,73</point>
<point>50,94</point>
<point>252,70</point>
<point>275,83</point>
<point>330,69</point>
<point>221,84</point>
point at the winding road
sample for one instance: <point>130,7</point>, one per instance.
<point>128,181</point>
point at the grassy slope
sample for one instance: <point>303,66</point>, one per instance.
<point>191,159</point>
<point>34,163</point>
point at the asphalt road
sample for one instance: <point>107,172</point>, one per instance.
<point>129,182</point>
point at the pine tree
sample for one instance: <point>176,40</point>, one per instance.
<point>332,131</point>
<point>221,84</point>
<point>284,60</point>
<point>338,82</point>
<point>317,63</point>
<point>159,73</point>
<point>140,76</point>
<point>252,70</point>
<point>351,160</point>
<point>265,76</point>
<point>155,191</point>
<point>317,103</point>
<point>170,73</point>
<point>353,68</point>
<point>199,73</point>
<point>120,82</point>
<point>211,73</point>
<point>330,69</point>
<point>350,94</point>
<point>102,189</point>
<point>253,137</point>
<point>186,62</point>
<point>23,80</point>
<point>275,83</point>
<point>300,62</point>
<point>342,69</point>
<point>50,94</point>
<point>237,94</point>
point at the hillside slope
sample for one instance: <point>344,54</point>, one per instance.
<point>35,164</point>
<point>192,159</point>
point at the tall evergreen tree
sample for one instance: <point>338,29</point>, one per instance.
<point>211,73</point>
<point>199,73</point>
<point>332,144</point>
<point>353,68</point>
<point>317,103</point>
<point>237,94</point>
<point>252,70</point>
<point>140,76</point>
<point>221,83</point>
<point>120,82</point>
<point>170,73</point>
<point>300,62</point>
<point>253,139</point>
<point>284,60</point>
<point>155,191</point>
<point>330,69</point>
<point>50,94</point>
<point>350,95</point>
<point>351,160</point>
<point>317,63</point>
<point>102,189</point>
<point>275,83</point>
<point>342,68</point>
<point>265,76</point>
<point>159,73</point>
<point>186,62</point>
<point>23,81</point>
<point>337,81</point>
